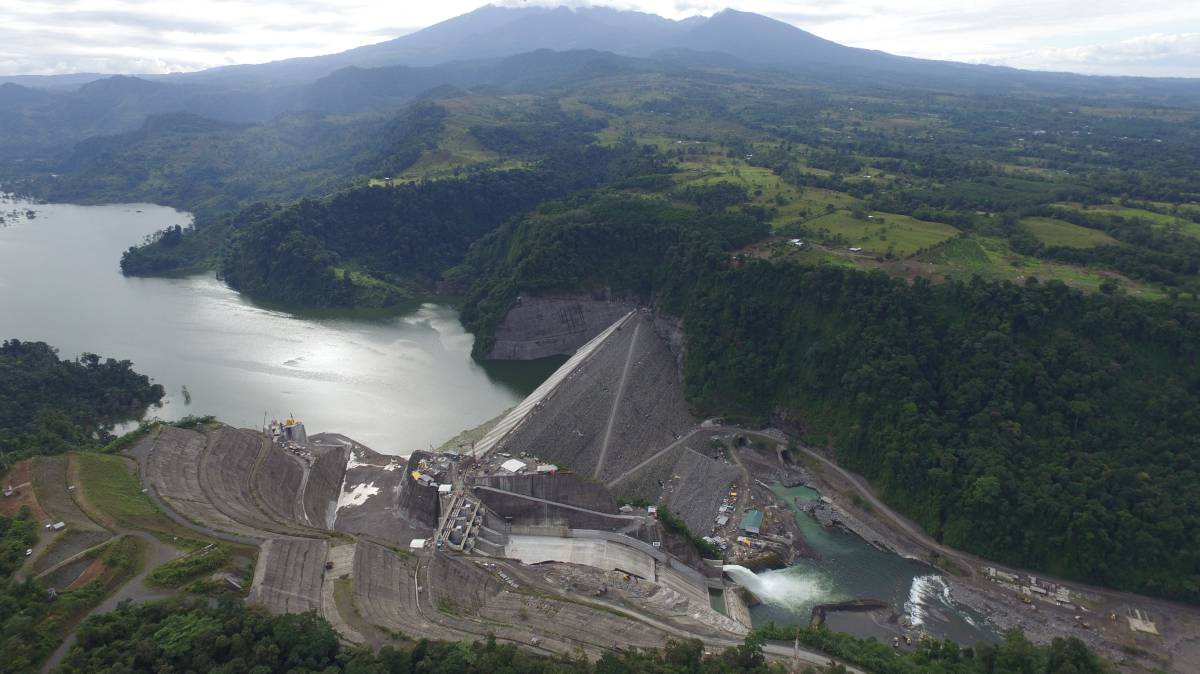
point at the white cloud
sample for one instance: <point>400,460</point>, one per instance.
<point>1157,54</point>
<point>1102,36</point>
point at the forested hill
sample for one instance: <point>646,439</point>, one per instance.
<point>49,405</point>
<point>984,303</point>
<point>1028,424</point>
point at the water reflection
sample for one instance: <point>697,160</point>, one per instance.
<point>396,384</point>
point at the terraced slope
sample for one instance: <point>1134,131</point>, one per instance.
<point>323,486</point>
<point>173,470</point>
<point>278,485</point>
<point>288,576</point>
<point>226,472</point>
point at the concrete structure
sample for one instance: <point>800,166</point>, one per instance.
<point>513,466</point>
<point>598,554</point>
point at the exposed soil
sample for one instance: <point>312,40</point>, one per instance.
<point>24,495</point>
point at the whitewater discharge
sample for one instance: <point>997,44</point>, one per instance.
<point>924,591</point>
<point>789,588</point>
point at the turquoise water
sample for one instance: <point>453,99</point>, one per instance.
<point>849,568</point>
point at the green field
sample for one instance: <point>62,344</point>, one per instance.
<point>992,258</point>
<point>1054,232</point>
<point>882,232</point>
<point>1103,212</point>
<point>111,486</point>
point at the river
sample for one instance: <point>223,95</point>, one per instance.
<point>394,384</point>
<point>847,568</point>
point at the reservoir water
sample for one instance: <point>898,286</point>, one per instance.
<point>395,384</point>
<point>848,568</point>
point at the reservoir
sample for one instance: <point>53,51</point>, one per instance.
<point>394,384</point>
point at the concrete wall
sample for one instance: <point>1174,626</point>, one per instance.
<point>526,511</point>
<point>537,327</point>
<point>288,576</point>
<point>567,488</point>
<point>418,503</point>
<point>596,553</point>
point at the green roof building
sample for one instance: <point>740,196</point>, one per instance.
<point>751,521</point>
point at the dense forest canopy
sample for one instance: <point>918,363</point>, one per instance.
<point>185,636</point>
<point>50,405</point>
<point>1029,424</point>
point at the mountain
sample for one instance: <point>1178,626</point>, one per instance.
<point>487,32</point>
<point>486,47</point>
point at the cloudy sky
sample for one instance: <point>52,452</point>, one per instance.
<point>1146,37</point>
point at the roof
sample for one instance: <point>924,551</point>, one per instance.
<point>752,520</point>
<point>513,465</point>
<point>444,488</point>
<point>416,544</point>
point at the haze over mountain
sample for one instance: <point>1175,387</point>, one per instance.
<point>469,50</point>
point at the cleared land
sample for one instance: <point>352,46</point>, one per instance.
<point>881,232</point>
<point>289,574</point>
<point>50,483</point>
<point>1055,232</point>
<point>20,479</point>
<point>114,494</point>
<point>992,258</point>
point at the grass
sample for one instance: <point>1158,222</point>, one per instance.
<point>882,233</point>
<point>1054,232</point>
<point>192,566</point>
<point>767,189</point>
<point>992,258</point>
<point>112,489</point>
<point>1157,220</point>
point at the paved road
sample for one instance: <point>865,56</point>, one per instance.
<point>135,590</point>
<point>915,532</point>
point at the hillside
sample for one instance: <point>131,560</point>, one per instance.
<point>45,115</point>
<point>979,290</point>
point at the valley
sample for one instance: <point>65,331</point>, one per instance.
<point>587,340</point>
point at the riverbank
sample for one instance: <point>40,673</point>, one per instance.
<point>1097,616</point>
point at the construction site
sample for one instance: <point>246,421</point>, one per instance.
<point>551,532</point>
<point>596,515</point>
